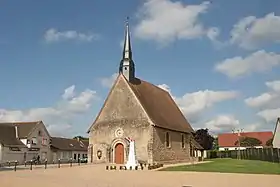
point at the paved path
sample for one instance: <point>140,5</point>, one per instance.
<point>97,176</point>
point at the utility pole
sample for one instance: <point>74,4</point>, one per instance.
<point>239,143</point>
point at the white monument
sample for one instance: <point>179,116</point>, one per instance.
<point>131,162</point>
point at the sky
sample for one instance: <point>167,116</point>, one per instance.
<point>218,59</point>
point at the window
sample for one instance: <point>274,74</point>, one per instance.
<point>34,141</point>
<point>39,133</point>
<point>44,141</point>
<point>28,142</point>
<point>167,139</point>
<point>183,140</point>
<point>226,149</point>
<point>75,156</point>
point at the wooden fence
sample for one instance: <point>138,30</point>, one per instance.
<point>265,154</point>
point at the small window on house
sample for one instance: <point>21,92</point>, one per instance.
<point>183,140</point>
<point>226,149</point>
<point>39,133</point>
<point>167,139</point>
<point>34,141</point>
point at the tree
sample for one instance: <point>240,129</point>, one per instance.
<point>248,142</point>
<point>203,137</point>
<point>215,144</point>
<point>269,142</point>
<point>80,138</point>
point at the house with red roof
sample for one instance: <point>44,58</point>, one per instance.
<point>227,141</point>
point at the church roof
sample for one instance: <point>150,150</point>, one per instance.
<point>160,106</point>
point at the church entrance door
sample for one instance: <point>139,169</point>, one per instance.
<point>119,153</point>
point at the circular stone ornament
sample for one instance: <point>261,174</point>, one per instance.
<point>119,132</point>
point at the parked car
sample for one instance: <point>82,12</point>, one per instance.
<point>83,160</point>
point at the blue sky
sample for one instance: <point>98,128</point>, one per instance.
<point>212,57</point>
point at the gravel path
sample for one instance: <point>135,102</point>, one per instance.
<point>97,176</point>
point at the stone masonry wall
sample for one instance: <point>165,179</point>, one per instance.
<point>122,111</point>
<point>174,153</point>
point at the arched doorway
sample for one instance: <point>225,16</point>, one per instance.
<point>119,153</point>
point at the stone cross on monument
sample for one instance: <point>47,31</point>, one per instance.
<point>131,162</point>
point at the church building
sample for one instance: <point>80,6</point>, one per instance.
<point>143,112</point>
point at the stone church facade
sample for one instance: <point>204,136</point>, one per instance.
<point>144,112</point>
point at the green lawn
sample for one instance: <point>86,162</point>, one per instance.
<point>231,166</point>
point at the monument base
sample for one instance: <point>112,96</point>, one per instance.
<point>133,165</point>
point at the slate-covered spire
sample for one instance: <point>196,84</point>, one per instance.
<point>127,65</point>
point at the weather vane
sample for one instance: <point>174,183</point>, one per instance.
<point>127,19</point>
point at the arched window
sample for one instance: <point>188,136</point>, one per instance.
<point>183,140</point>
<point>167,139</point>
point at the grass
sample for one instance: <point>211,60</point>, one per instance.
<point>231,166</point>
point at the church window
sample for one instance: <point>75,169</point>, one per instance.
<point>167,139</point>
<point>183,140</point>
<point>125,68</point>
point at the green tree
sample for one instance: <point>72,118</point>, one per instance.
<point>248,142</point>
<point>203,137</point>
<point>269,142</point>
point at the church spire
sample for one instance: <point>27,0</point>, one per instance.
<point>127,65</point>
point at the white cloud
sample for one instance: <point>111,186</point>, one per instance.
<point>69,92</point>
<point>225,123</point>
<point>270,115</point>
<point>192,104</point>
<point>229,123</point>
<point>251,32</point>
<point>165,21</point>
<point>268,103</point>
<point>260,61</point>
<point>52,35</point>
<point>108,82</point>
<point>58,116</point>
<point>269,99</point>
<point>274,85</point>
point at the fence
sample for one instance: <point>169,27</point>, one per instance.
<point>264,154</point>
<point>13,165</point>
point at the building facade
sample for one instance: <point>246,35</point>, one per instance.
<point>144,112</point>
<point>34,139</point>
<point>66,149</point>
<point>276,135</point>
<point>229,141</point>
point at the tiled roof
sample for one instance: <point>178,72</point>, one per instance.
<point>160,106</point>
<point>24,128</point>
<point>8,136</point>
<point>229,139</point>
<point>68,144</point>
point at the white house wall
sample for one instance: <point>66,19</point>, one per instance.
<point>276,138</point>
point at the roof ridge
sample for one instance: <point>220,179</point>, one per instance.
<point>21,122</point>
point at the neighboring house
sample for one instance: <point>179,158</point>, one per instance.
<point>11,148</point>
<point>36,138</point>
<point>65,149</point>
<point>276,136</point>
<point>144,112</point>
<point>228,141</point>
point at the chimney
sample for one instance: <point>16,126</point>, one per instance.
<point>78,139</point>
<point>16,128</point>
